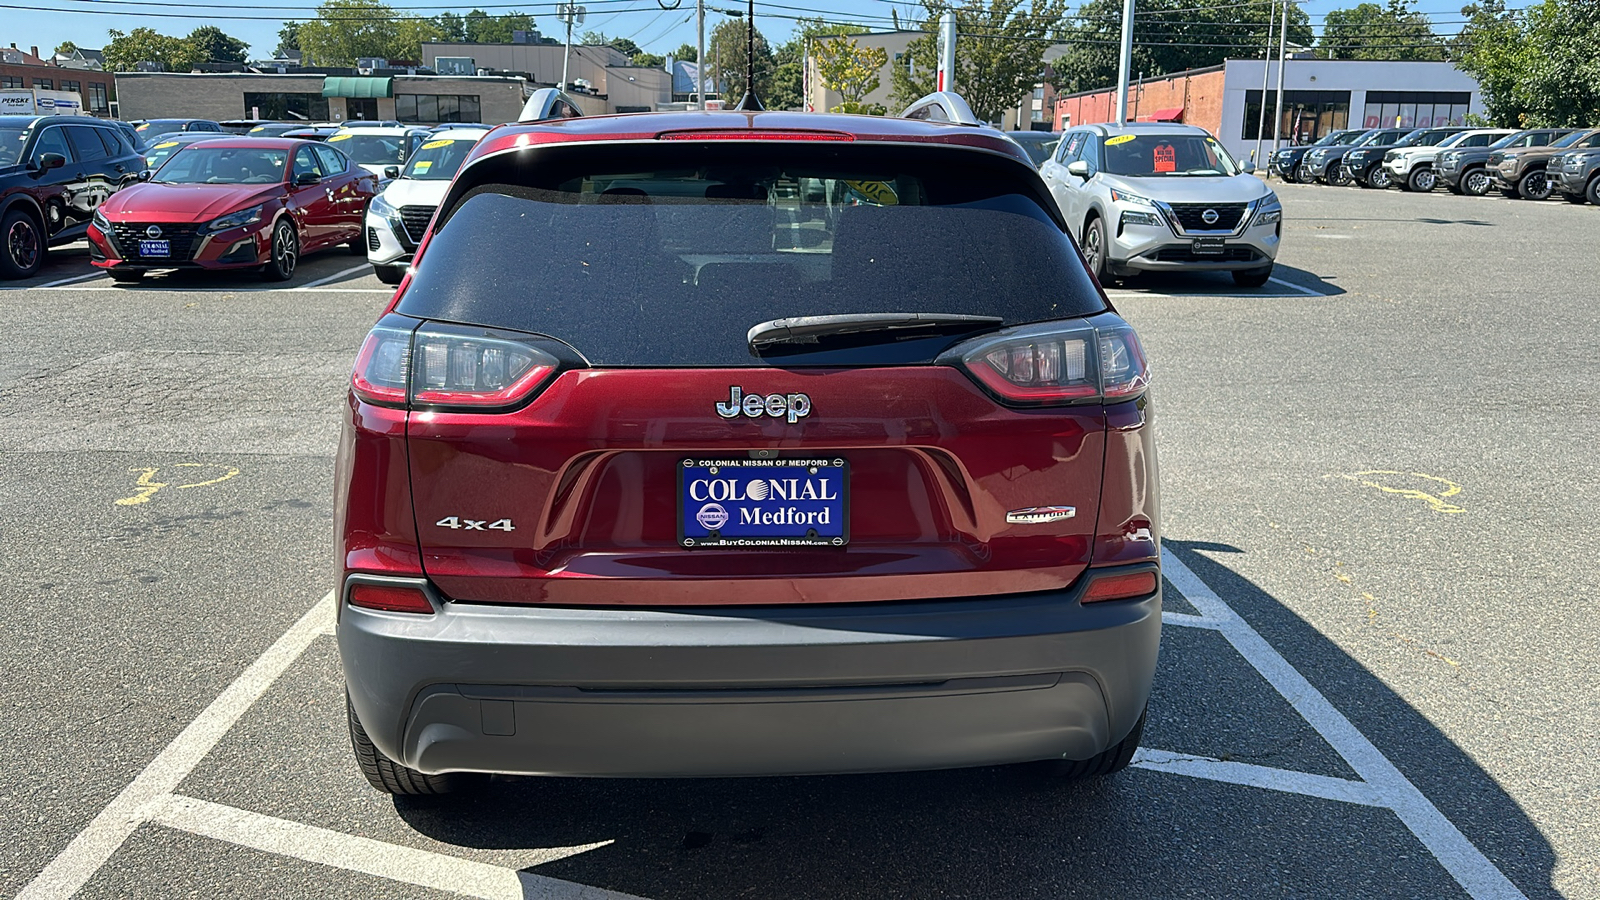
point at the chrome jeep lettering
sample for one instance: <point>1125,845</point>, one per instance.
<point>794,407</point>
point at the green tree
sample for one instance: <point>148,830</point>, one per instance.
<point>1537,71</point>
<point>124,52</point>
<point>727,56</point>
<point>67,48</point>
<point>1370,31</point>
<point>215,45</point>
<point>999,54</point>
<point>685,53</point>
<point>451,27</point>
<point>346,30</point>
<point>1168,36</point>
<point>648,60</point>
<point>483,28</point>
<point>789,62</point>
<point>288,39</point>
<point>853,71</point>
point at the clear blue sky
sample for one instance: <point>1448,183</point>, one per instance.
<point>84,22</point>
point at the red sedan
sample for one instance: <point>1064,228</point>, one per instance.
<point>244,203</point>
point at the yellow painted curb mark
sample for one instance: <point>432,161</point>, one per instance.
<point>1436,502</point>
<point>148,486</point>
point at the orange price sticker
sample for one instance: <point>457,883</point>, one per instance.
<point>1166,158</point>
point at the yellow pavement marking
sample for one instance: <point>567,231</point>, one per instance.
<point>148,486</point>
<point>1435,501</point>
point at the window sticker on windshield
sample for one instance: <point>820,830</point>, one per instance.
<point>1120,139</point>
<point>1166,158</point>
<point>339,137</point>
<point>422,166</point>
<point>434,145</point>
<point>878,192</point>
<point>165,144</point>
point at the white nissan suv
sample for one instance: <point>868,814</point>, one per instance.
<point>398,217</point>
<point>1152,197</point>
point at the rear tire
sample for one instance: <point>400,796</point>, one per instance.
<point>1422,180</point>
<point>389,274</point>
<point>1252,278</point>
<point>1114,759</point>
<point>126,276</point>
<point>22,245</point>
<point>390,777</point>
<point>1476,182</point>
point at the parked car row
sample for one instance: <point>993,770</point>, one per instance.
<point>1531,164</point>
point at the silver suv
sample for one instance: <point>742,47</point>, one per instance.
<point>1152,197</point>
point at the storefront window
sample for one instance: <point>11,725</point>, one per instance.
<point>286,107</point>
<point>97,98</point>
<point>11,81</point>
<point>1307,115</point>
<point>1415,109</point>
<point>430,109</point>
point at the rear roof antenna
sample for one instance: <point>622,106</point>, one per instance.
<point>750,102</point>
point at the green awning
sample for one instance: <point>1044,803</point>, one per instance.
<point>348,86</point>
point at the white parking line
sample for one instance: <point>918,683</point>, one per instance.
<point>334,277</point>
<point>1251,775</point>
<point>61,281</point>
<point>407,865</point>
<point>1295,287</point>
<point>76,864</point>
<point>1469,867</point>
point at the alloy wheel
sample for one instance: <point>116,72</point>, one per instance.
<point>1379,178</point>
<point>285,250</point>
<point>1424,180</point>
<point>22,244</point>
<point>1476,182</point>
<point>1091,246</point>
<point>1534,186</point>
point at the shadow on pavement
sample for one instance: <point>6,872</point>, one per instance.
<point>1207,284</point>
<point>1009,832</point>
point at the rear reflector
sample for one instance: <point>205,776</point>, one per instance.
<point>1054,366</point>
<point>1120,587</point>
<point>390,598</point>
<point>740,135</point>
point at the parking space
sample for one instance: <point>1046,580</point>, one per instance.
<point>329,271</point>
<point>1372,641</point>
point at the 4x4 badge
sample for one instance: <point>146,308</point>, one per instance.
<point>793,406</point>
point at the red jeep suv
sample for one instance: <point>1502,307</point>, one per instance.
<point>708,444</point>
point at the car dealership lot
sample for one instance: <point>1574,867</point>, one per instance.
<point>1378,496</point>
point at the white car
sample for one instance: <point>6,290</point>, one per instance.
<point>1412,168</point>
<point>379,148</point>
<point>398,217</point>
<point>1154,197</point>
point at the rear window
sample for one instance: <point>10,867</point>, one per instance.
<point>668,255</point>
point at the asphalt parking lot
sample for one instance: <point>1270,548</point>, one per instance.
<point>1377,676</point>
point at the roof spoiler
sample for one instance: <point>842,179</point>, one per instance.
<point>943,106</point>
<point>542,105</point>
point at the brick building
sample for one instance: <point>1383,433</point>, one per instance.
<point>25,69</point>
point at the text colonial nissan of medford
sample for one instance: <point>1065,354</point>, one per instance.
<point>717,444</point>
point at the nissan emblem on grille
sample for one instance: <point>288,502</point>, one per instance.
<point>1210,217</point>
<point>152,232</point>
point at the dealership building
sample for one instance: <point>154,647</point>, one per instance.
<point>1319,96</point>
<point>313,96</point>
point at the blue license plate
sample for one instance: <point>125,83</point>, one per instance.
<point>155,248</point>
<point>763,503</point>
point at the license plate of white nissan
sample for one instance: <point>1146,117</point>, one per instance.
<point>764,502</point>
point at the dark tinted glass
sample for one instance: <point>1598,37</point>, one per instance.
<point>667,255</point>
<point>85,143</point>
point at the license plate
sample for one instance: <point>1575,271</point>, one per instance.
<point>1210,246</point>
<point>155,248</point>
<point>763,502</point>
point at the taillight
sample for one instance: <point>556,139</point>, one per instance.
<point>390,598</point>
<point>1120,586</point>
<point>1051,365</point>
<point>449,366</point>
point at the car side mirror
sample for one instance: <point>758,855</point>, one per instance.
<point>391,171</point>
<point>307,178</point>
<point>48,161</point>
<point>1079,168</point>
<point>146,175</point>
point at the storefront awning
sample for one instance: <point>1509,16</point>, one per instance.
<point>1175,114</point>
<point>348,86</point>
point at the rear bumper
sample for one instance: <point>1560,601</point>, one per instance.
<point>751,690</point>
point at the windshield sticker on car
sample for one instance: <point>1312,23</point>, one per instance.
<point>423,165</point>
<point>1166,158</point>
<point>1120,139</point>
<point>434,145</point>
<point>339,137</point>
<point>165,144</point>
<point>878,192</point>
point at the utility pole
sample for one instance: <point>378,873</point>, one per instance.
<point>1283,46</point>
<point>1125,62</point>
<point>946,76</point>
<point>700,51</point>
<point>568,13</point>
<point>1266,73</point>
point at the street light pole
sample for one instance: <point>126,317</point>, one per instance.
<point>1283,46</point>
<point>700,51</point>
<point>1266,73</point>
<point>1125,63</point>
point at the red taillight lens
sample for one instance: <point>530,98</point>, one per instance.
<point>445,366</point>
<point>1120,587</point>
<point>390,598</point>
<point>1052,366</point>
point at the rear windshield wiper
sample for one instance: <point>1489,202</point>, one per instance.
<point>810,332</point>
